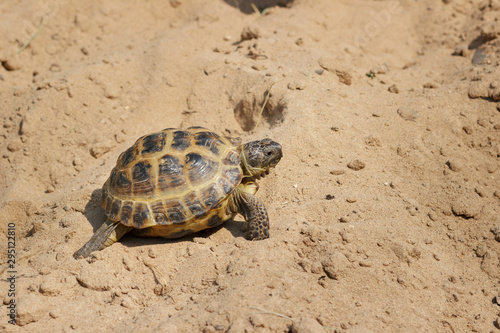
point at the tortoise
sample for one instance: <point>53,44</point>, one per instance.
<point>176,182</point>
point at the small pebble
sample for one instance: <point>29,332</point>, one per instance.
<point>297,85</point>
<point>356,165</point>
<point>14,146</point>
<point>344,219</point>
<point>393,89</point>
<point>430,85</point>
<point>454,165</point>
<point>408,114</point>
<point>461,50</point>
<point>251,32</point>
<point>152,253</point>
<point>307,325</point>
<point>259,66</point>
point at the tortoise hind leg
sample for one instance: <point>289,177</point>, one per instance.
<point>107,234</point>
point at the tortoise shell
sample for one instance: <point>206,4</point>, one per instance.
<point>173,182</point>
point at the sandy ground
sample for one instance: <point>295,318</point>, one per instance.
<point>384,209</point>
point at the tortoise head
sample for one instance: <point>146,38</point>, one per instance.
<point>257,157</point>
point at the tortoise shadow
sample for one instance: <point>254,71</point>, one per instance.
<point>236,228</point>
<point>93,211</point>
<point>247,6</point>
<point>96,216</point>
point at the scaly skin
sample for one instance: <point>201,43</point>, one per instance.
<point>246,203</point>
<point>107,234</point>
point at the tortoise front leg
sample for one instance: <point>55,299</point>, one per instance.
<point>255,214</point>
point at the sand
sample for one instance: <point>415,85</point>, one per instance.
<point>384,209</point>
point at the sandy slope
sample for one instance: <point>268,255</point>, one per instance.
<point>404,244</point>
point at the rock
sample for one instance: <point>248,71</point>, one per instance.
<point>259,66</point>
<point>408,114</point>
<point>393,89</point>
<point>335,66</point>
<point>112,89</point>
<point>461,50</point>
<point>344,77</point>
<point>14,146</point>
<point>356,165</point>
<point>251,31</point>
<point>373,141</point>
<point>381,69</point>
<point>258,320</point>
<point>97,276</point>
<point>454,165</point>
<point>10,64</point>
<point>430,85</point>
<point>30,308</point>
<point>335,265</point>
<point>495,230</point>
<point>478,89</point>
<point>239,325</point>
<point>490,264</point>
<point>306,264</point>
<point>50,286</point>
<point>297,85</point>
<point>490,31</point>
<point>465,207</point>
<point>175,3</point>
<point>128,302</point>
<point>30,124</point>
<point>100,149</point>
<point>307,325</point>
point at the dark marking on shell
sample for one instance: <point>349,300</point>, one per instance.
<point>208,140</point>
<point>215,221</point>
<point>176,215</point>
<point>140,172</point>
<point>195,127</point>
<point>170,173</point>
<point>123,185</point>
<point>104,194</point>
<point>233,175</point>
<point>181,140</point>
<point>115,209</point>
<point>153,143</point>
<point>141,175</point>
<point>127,212</point>
<point>128,156</point>
<point>141,214</point>
<point>158,209</point>
<point>200,168</point>
<point>232,158</point>
<point>225,185</point>
<point>175,211</point>
<point>112,177</point>
<point>210,197</point>
<point>108,202</point>
<point>161,219</point>
<point>194,204</point>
